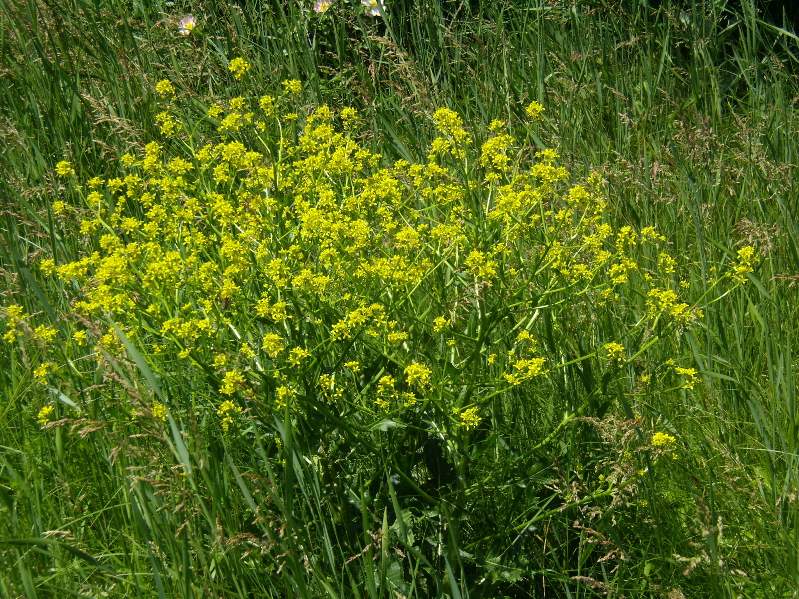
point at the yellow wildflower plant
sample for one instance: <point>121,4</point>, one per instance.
<point>165,89</point>
<point>227,412</point>
<point>239,67</point>
<point>272,257</point>
<point>43,417</point>
<point>64,169</point>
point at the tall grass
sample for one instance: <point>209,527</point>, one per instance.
<point>689,113</point>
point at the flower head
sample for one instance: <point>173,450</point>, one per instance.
<point>227,411</point>
<point>238,66</point>
<point>374,8</point>
<point>534,110</point>
<point>43,417</point>
<point>664,440</point>
<point>292,86</point>
<point>187,25</point>
<point>468,418</point>
<point>418,375</point>
<point>164,88</point>
<point>159,411</point>
<point>322,6</point>
<point>64,169</point>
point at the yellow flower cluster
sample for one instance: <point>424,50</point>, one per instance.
<point>165,89</point>
<point>43,417</point>
<point>227,412</point>
<point>239,67</point>
<point>279,257</point>
<point>663,440</point>
<point>744,265</point>
<point>468,418</point>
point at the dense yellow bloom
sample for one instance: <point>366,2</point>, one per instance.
<point>534,110</point>
<point>164,88</point>
<point>43,417</point>
<point>230,249</point>
<point>744,265</point>
<point>468,418</point>
<point>238,66</point>
<point>158,411</point>
<point>663,440</point>
<point>64,169</point>
<point>417,375</point>
<point>232,381</point>
<point>614,351</point>
<point>227,412</point>
<point>292,86</point>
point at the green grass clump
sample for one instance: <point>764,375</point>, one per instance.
<point>490,301</point>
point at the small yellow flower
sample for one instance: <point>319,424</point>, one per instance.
<point>468,418</point>
<point>439,324</point>
<point>349,117</point>
<point>227,411</point>
<point>44,333</point>
<point>418,375</point>
<point>282,395</point>
<point>238,66</point>
<point>41,371</point>
<point>534,110</point>
<point>614,351</point>
<point>481,266</point>
<point>64,169</point>
<point>688,375</point>
<point>165,89</point>
<point>292,86</point>
<point>232,381</point>
<point>525,369</point>
<point>267,104</point>
<point>297,355</point>
<point>744,265</point>
<point>159,411</point>
<point>663,440</point>
<point>353,366</point>
<point>273,344</point>
<point>43,417</point>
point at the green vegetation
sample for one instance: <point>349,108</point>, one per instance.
<point>461,300</point>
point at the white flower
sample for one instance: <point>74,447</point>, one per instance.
<point>374,8</point>
<point>187,24</point>
<point>321,6</point>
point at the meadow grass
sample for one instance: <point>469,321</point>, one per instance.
<point>137,485</point>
